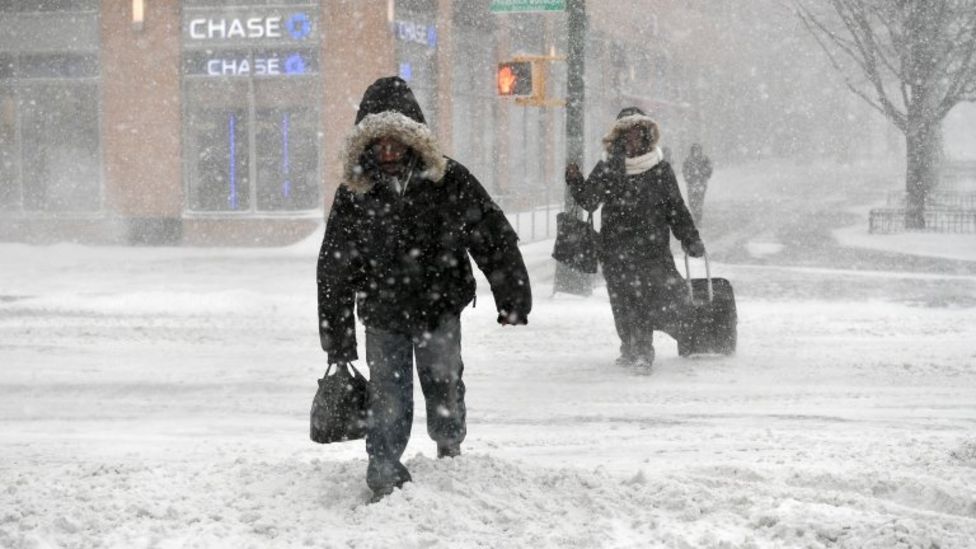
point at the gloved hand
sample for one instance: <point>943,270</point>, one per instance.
<point>695,249</point>
<point>573,174</point>
<point>367,162</point>
<point>513,318</point>
<point>618,156</point>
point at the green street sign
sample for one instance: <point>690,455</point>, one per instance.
<point>509,6</point>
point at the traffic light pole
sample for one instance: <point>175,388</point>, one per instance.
<point>566,279</point>
<point>575,88</point>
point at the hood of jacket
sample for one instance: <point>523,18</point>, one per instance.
<point>389,109</point>
<point>628,118</point>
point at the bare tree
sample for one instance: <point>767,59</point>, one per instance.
<point>915,60</point>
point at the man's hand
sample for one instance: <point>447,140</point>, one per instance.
<point>695,249</point>
<point>506,318</point>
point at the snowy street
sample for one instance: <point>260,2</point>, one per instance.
<point>159,397</point>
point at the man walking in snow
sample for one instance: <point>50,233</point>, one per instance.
<point>697,169</point>
<point>641,207</point>
<point>396,245</point>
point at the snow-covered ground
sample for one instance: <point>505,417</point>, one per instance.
<point>158,397</point>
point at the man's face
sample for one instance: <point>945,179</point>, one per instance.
<point>390,154</point>
<point>635,144</point>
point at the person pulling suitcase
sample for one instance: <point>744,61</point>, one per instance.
<point>642,206</point>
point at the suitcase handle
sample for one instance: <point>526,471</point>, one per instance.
<point>708,275</point>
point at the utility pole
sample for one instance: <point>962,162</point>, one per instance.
<point>575,88</point>
<point>566,279</point>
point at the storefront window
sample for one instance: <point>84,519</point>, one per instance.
<point>287,152</point>
<point>49,125</point>
<point>217,131</point>
<point>47,5</point>
<point>9,159</point>
<point>416,40</point>
<point>475,102</point>
<point>251,124</point>
<point>59,128</point>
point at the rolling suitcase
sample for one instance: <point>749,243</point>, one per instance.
<point>709,322</point>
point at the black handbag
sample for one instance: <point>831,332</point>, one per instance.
<point>577,242</point>
<point>340,406</point>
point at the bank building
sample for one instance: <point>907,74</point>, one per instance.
<point>219,122</point>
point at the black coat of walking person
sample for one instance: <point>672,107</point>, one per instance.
<point>397,243</point>
<point>642,206</point>
<point>697,170</point>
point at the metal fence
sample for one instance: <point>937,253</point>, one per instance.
<point>937,220</point>
<point>532,212</point>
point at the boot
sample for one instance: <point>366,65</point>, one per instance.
<point>448,449</point>
<point>645,359</point>
<point>625,360</point>
<point>383,477</point>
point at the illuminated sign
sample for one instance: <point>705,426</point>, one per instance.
<point>299,26</point>
<point>255,25</point>
<point>244,63</point>
<point>258,66</point>
<point>418,33</point>
<point>251,42</point>
<point>406,71</point>
<point>222,28</point>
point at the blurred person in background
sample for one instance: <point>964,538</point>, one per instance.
<point>697,169</point>
<point>642,206</point>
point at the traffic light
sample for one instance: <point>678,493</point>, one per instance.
<point>514,78</point>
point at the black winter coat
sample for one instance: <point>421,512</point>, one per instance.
<point>639,212</point>
<point>403,259</point>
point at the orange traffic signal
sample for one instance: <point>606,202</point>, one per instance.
<point>515,78</point>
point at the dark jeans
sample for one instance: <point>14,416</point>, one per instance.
<point>644,298</point>
<point>390,357</point>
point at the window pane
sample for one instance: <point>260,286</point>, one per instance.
<point>60,65</point>
<point>219,179</point>
<point>48,5</point>
<point>60,148</point>
<point>7,63</point>
<point>9,185</point>
<point>216,144</point>
<point>287,159</point>
<point>286,142</point>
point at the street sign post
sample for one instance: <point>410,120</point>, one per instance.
<point>566,279</point>
<point>522,6</point>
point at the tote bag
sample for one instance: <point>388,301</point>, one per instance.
<point>577,244</point>
<point>340,405</point>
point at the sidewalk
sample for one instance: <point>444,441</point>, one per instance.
<point>942,245</point>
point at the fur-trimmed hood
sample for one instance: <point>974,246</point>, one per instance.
<point>389,109</point>
<point>629,118</point>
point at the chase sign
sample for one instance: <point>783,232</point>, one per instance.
<point>257,41</point>
<point>256,26</point>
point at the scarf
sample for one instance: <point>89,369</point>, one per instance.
<point>640,164</point>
